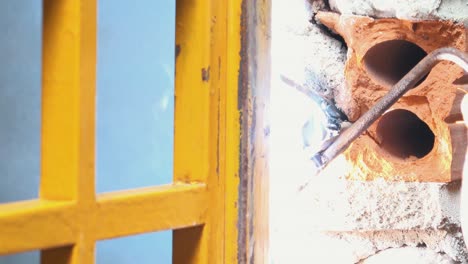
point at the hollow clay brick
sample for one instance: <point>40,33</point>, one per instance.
<point>434,100</point>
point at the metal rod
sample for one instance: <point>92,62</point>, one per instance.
<point>342,142</point>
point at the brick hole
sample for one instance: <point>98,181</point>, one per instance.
<point>389,61</point>
<point>402,134</point>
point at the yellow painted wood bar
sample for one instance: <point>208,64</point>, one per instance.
<point>232,132</point>
<point>207,130</point>
<point>30,225</point>
<point>114,215</point>
<point>68,116</point>
<point>68,100</point>
<point>205,205</point>
<point>150,209</point>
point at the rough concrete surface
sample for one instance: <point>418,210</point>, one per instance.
<point>335,220</point>
<point>304,53</point>
<point>306,246</point>
<point>413,255</point>
<point>456,10</point>
<point>365,244</point>
<point>378,205</point>
<point>347,221</point>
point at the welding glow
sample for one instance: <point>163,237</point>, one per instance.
<point>290,164</point>
<point>290,110</point>
<point>292,240</point>
<point>290,167</point>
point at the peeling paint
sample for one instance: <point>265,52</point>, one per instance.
<point>205,74</point>
<point>219,68</point>
<point>177,50</point>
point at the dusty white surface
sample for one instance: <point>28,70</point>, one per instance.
<point>303,52</point>
<point>366,244</point>
<point>456,10</point>
<point>408,255</point>
<point>378,205</point>
<point>301,221</point>
<point>464,189</point>
<point>301,246</point>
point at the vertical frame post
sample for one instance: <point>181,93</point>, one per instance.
<point>68,112</point>
<point>254,93</point>
<point>222,92</point>
<point>199,115</point>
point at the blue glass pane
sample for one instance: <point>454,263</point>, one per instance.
<point>142,249</point>
<point>135,93</point>
<point>20,98</point>
<point>30,257</point>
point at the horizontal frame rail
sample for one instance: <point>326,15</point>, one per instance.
<point>42,224</point>
<point>36,224</point>
<point>154,209</point>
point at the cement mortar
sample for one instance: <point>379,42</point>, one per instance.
<point>414,255</point>
<point>455,10</point>
<point>365,244</point>
<point>305,53</point>
<point>378,205</point>
<point>307,246</point>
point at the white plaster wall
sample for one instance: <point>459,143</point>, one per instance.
<point>456,10</point>
<point>334,220</point>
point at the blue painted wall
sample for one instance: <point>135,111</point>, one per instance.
<point>135,104</point>
<point>20,99</point>
<point>135,93</point>
<point>134,110</point>
<point>20,104</point>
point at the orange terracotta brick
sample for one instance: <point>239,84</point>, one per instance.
<point>414,140</point>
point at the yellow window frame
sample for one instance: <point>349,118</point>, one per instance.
<point>217,205</point>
